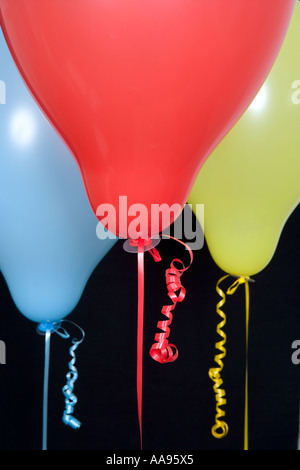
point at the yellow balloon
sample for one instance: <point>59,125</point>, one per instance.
<point>250,184</point>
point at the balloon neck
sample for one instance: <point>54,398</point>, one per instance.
<point>135,242</point>
<point>131,245</point>
<point>242,276</point>
<point>49,327</point>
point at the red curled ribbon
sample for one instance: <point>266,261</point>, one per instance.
<point>162,351</point>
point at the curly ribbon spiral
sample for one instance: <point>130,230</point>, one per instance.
<point>71,376</point>
<point>71,399</point>
<point>173,274</point>
<point>220,428</point>
<point>48,328</point>
<point>162,351</point>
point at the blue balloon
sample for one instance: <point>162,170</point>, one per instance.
<point>48,241</point>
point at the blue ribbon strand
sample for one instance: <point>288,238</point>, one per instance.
<point>45,392</point>
<point>47,329</point>
<point>71,398</point>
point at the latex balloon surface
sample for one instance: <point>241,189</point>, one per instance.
<point>48,242</point>
<point>142,91</point>
<point>251,183</point>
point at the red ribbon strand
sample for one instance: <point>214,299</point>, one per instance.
<point>140,327</point>
<point>161,351</point>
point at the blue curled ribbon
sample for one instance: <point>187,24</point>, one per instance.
<point>71,376</point>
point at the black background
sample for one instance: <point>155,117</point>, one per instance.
<point>178,399</point>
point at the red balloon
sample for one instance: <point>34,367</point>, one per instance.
<point>143,90</point>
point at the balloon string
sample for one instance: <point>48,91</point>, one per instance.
<point>70,397</point>
<point>220,428</point>
<point>45,389</point>
<point>246,432</point>
<point>230,291</point>
<point>173,274</point>
<point>71,376</point>
<point>47,328</point>
<point>139,375</point>
<point>141,244</point>
<point>162,351</point>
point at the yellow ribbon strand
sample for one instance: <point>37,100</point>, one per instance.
<point>247,303</point>
<point>220,428</point>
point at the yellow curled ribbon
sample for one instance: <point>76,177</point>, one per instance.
<point>220,428</point>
